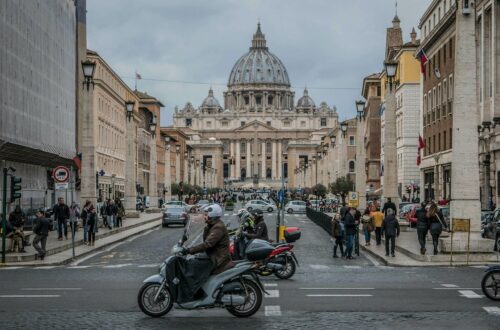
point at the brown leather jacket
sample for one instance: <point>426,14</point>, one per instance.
<point>216,245</point>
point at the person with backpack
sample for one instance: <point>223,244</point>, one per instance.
<point>92,224</point>
<point>391,230</point>
<point>337,234</point>
<point>436,225</point>
<point>367,221</point>
<point>84,216</point>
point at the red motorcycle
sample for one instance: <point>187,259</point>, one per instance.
<point>280,260</point>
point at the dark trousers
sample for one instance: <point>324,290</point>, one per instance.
<point>349,245</point>
<point>62,224</point>
<point>435,241</point>
<point>392,241</point>
<point>39,243</point>
<point>119,221</point>
<point>421,234</point>
<point>338,243</point>
<point>378,235</point>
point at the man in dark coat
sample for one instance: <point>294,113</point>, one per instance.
<point>215,240</point>
<point>422,227</point>
<point>41,230</point>
<point>350,231</point>
<point>260,229</point>
<point>389,205</point>
<point>61,215</point>
<point>390,228</point>
<point>16,220</point>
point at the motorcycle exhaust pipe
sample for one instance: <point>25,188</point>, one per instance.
<point>274,266</point>
<point>232,300</point>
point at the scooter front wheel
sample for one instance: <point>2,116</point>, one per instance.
<point>147,303</point>
<point>491,285</point>
<point>253,300</point>
<point>288,270</point>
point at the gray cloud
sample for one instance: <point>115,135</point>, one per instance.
<point>327,43</point>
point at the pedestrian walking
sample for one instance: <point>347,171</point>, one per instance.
<point>61,215</point>
<point>367,221</point>
<point>74,215</point>
<point>389,205</point>
<point>378,218</point>
<point>16,220</point>
<point>41,230</point>
<point>350,230</point>
<point>436,225</point>
<point>111,212</point>
<point>120,213</point>
<point>422,227</point>
<point>102,212</point>
<point>337,234</point>
<point>84,216</point>
<point>391,230</point>
<point>92,224</point>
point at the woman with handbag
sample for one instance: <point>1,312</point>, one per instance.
<point>437,224</point>
<point>367,222</point>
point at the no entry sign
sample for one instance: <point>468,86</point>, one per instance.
<point>60,174</point>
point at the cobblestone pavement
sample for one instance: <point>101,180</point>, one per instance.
<point>325,293</point>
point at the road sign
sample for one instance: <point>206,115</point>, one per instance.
<point>462,225</point>
<point>352,200</point>
<point>281,196</point>
<point>61,186</point>
<point>60,174</point>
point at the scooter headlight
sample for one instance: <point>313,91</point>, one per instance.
<point>163,270</point>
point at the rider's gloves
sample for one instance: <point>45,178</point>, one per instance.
<point>184,251</point>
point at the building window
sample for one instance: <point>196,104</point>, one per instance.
<point>268,123</point>
<point>209,123</point>
<point>286,123</point>
<point>444,141</point>
<point>247,100</point>
<point>352,166</point>
<point>451,48</point>
<point>224,124</point>
<point>450,87</point>
<point>302,124</point>
<point>451,139</point>
<point>269,100</point>
<point>323,122</point>
<point>189,122</point>
<point>242,123</point>
<point>351,140</point>
<point>269,147</point>
<point>243,146</point>
<point>258,100</point>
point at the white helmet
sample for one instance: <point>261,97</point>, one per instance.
<point>214,211</point>
<point>241,212</point>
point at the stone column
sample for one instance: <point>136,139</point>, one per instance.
<point>153,186</point>
<point>186,168</point>
<point>168,179</point>
<point>232,167</point>
<point>88,148</point>
<point>465,202</point>
<point>130,166</point>
<point>238,160</point>
<point>249,158</point>
<point>274,173</point>
<point>390,148</point>
<point>263,161</point>
<point>280,160</point>
<point>360,164</point>
<point>177,167</point>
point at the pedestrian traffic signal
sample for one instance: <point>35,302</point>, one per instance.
<point>15,188</point>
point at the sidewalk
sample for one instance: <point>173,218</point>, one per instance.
<point>408,253</point>
<point>61,252</point>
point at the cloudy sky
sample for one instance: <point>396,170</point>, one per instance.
<point>181,47</point>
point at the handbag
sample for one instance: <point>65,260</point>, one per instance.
<point>437,227</point>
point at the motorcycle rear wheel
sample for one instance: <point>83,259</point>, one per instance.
<point>252,302</point>
<point>146,301</point>
<point>288,271</point>
<point>491,285</point>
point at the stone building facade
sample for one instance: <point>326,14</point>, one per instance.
<point>260,134</point>
<point>37,94</point>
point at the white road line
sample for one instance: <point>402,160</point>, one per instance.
<point>50,289</point>
<point>270,284</point>
<point>143,234</point>
<point>469,294</point>
<point>30,296</point>
<point>492,310</point>
<point>336,288</point>
<point>226,214</point>
<point>10,268</point>
<point>480,267</point>
<point>318,267</point>
<point>272,311</point>
<point>78,267</point>
<point>273,294</point>
<point>45,267</point>
<point>148,266</point>
<point>450,285</point>
<point>352,267</point>
<point>374,261</point>
<point>456,288</point>
<point>339,295</point>
<point>117,266</point>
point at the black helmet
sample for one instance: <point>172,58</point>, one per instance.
<point>257,213</point>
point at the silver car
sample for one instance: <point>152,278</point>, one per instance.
<point>260,205</point>
<point>296,207</point>
<point>174,215</point>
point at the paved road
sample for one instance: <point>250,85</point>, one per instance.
<point>325,293</point>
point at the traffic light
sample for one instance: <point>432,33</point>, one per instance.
<point>15,188</point>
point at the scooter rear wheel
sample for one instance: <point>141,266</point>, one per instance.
<point>253,300</point>
<point>491,285</point>
<point>288,271</point>
<point>146,301</point>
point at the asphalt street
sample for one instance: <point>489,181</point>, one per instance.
<point>100,291</point>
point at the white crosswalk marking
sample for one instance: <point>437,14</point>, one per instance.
<point>352,267</point>
<point>117,266</point>
<point>339,295</point>
<point>45,267</point>
<point>272,311</point>
<point>469,294</point>
<point>78,267</point>
<point>271,284</point>
<point>449,285</point>
<point>273,294</point>
<point>492,310</point>
<point>148,266</point>
<point>10,268</point>
<point>318,267</point>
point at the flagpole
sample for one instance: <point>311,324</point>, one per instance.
<point>135,78</point>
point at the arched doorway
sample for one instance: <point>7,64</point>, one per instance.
<point>243,173</point>
<point>268,173</point>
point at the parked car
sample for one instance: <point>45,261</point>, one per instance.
<point>174,215</point>
<point>295,207</point>
<point>260,205</point>
<point>169,204</point>
<point>314,203</point>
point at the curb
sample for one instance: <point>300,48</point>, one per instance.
<point>85,253</point>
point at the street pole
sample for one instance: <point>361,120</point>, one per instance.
<point>4,212</point>
<point>282,224</point>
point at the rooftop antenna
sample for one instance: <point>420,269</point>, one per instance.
<point>396,6</point>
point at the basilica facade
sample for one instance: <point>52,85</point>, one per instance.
<point>259,134</point>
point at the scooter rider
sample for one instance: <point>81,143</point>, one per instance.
<point>215,240</point>
<point>260,231</point>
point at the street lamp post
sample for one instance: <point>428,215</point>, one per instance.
<point>360,155</point>
<point>318,157</point>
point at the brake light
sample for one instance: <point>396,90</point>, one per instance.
<point>279,250</point>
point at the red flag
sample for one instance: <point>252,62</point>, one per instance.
<point>78,161</point>
<point>421,145</point>
<point>138,76</point>
<point>423,59</point>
